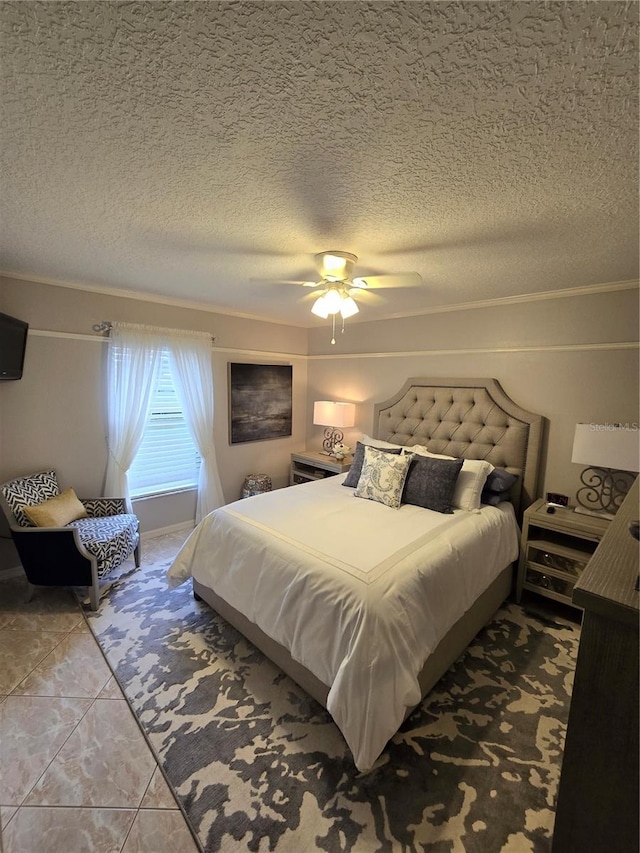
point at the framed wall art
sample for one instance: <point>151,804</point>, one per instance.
<point>260,401</point>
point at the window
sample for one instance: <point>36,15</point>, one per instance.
<point>167,459</point>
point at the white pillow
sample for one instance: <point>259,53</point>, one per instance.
<point>383,475</point>
<point>471,478</point>
<point>377,442</point>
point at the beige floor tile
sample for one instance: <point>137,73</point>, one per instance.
<point>111,690</point>
<point>154,831</point>
<point>6,813</point>
<point>43,830</point>
<point>105,762</point>
<point>158,795</point>
<point>21,651</point>
<point>76,667</point>
<point>32,730</point>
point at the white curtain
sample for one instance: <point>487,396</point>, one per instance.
<point>190,357</point>
<point>132,372</point>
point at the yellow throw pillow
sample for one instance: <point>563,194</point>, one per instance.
<point>56,512</point>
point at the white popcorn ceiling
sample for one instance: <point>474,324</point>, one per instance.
<point>184,149</point>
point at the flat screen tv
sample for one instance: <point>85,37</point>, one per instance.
<point>13,344</point>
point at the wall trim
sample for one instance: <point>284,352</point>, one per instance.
<point>540,296</point>
<point>12,572</point>
<point>123,293</point>
<point>78,336</point>
<point>611,345</point>
<point>552,348</point>
<point>584,290</point>
<point>163,531</point>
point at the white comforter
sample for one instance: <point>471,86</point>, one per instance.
<point>359,593</point>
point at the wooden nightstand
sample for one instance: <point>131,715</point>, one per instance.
<point>315,466</point>
<point>555,549</point>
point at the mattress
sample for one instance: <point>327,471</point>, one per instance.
<point>358,593</point>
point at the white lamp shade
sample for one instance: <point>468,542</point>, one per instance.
<point>332,301</point>
<point>320,308</point>
<point>348,307</point>
<point>327,413</point>
<point>607,446</point>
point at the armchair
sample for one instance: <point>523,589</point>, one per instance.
<point>79,553</point>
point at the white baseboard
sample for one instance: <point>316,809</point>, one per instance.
<point>163,531</point>
<point>11,572</point>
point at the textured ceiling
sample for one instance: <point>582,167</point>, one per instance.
<point>186,149</point>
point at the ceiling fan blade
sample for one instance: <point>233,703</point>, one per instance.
<point>399,279</point>
<point>286,281</point>
<point>366,297</point>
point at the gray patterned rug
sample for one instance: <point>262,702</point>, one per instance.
<point>259,766</point>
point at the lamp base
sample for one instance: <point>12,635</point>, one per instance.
<point>603,491</point>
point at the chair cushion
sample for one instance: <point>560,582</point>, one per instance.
<point>109,539</point>
<point>27,491</point>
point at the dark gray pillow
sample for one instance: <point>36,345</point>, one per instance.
<point>494,498</point>
<point>430,483</point>
<point>499,480</point>
<point>353,476</point>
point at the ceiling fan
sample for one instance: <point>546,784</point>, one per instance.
<point>337,285</point>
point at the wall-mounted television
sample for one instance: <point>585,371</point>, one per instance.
<point>13,344</point>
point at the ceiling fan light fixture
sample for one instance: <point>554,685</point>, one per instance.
<point>319,308</point>
<point>332,301</point>
<point>348,307</point>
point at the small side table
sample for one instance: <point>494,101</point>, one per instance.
<point>555,549</point>
<point>311,465</point>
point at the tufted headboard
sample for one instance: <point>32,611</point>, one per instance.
<point>470,419</point>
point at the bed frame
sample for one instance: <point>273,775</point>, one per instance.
<point>466,418</point>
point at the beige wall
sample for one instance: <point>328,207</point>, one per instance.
<point>572,359</point>
<point>54,416</point>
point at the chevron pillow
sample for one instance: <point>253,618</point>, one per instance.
<point>27,491</point>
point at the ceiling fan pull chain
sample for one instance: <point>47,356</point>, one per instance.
<point>333,330</point>
<point>343,325</point>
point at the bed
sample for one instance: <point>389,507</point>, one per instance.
<point>365,606</point>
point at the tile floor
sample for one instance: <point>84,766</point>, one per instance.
<point>76,774</point>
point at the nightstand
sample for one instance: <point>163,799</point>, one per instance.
<point>555,549</point>
<point>315,466</point>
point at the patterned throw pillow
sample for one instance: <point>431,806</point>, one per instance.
<point>383,476</point>
<point>351,480</point>
<point>431,482</point>
<point>27,491</point>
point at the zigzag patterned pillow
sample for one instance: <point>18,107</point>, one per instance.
<point>28,491</point>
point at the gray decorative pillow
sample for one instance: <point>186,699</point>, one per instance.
<point>431,482</point>
<point>499,480</point>
<point>382,478</point>
<point>494,498</point>
<point>351,480</point>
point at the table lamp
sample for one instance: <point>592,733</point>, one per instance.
<point>334,416</point>
<point>611,453</point>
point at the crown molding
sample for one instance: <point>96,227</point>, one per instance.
<point>172,301</point>
<point>175,302</point>
<point>540,296</point>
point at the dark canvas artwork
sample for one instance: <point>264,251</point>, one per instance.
<point>259,401</point>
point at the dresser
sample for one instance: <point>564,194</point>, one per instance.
<point>598,797</point>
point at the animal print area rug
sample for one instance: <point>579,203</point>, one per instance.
<point>259,766</point>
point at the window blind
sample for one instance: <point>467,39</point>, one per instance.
<point>167,459</point>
